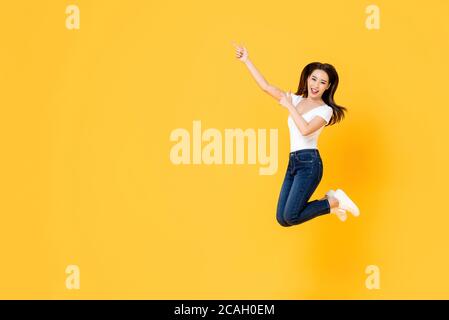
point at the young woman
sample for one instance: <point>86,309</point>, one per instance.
<point>311,108</point>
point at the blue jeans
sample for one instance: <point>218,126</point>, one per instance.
<point>304,173</point>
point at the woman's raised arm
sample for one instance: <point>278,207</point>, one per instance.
<point>242,55</point>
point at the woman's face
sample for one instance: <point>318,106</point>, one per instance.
<point>317,83</point>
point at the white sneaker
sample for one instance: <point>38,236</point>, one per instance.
<point>340,213</point>
<point>346,203</point>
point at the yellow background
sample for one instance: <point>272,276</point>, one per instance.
<point>86,177</point>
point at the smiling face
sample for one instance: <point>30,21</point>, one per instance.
<point>317,83</point>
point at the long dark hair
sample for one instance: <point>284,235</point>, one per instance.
<point>328,95</point>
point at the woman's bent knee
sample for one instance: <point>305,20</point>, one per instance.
<point>282,222</point>
<point>292,219</point>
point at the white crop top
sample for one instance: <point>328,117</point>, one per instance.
<point>297,140</point>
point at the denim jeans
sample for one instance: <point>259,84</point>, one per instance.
<point>304,173</point>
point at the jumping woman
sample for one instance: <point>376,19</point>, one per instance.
<point>311,108</point>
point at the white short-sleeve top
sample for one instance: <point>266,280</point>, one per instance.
<point>297,140</point>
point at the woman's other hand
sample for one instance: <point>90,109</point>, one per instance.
<point>286,99</point>
<point>240,52</point>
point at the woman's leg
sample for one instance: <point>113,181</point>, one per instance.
<point>333,202</point>
<point>306,180</point>
<point>285,191</point>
